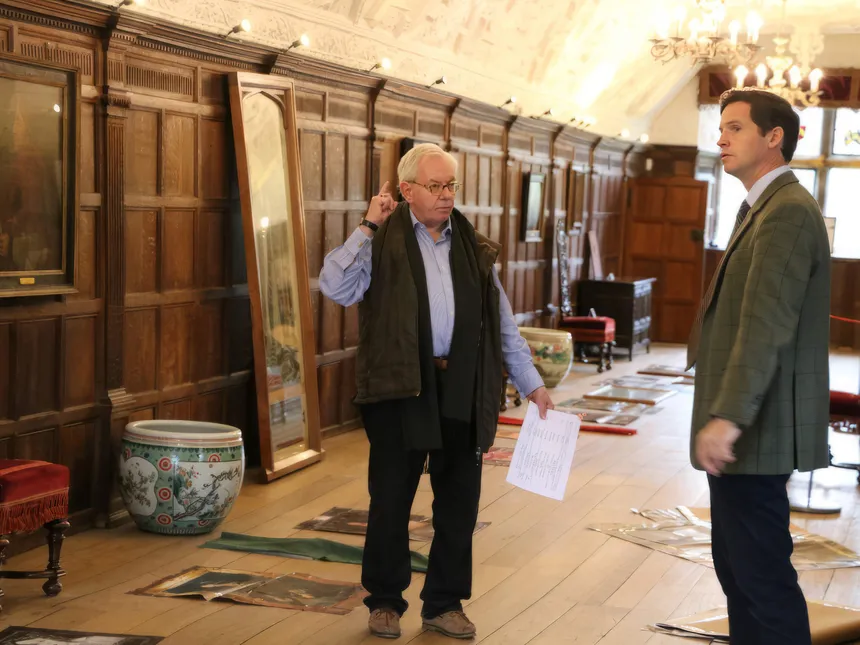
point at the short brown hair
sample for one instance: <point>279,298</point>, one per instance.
<point>768,111</point>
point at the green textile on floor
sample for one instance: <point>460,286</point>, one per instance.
<point>302,548</point>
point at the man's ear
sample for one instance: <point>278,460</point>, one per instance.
<point>776,137</point>
<point>406,191</point>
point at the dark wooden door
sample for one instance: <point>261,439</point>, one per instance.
<point>664,239</point>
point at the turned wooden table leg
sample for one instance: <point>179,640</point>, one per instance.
<point>56,534</point>
<point>4,542</point>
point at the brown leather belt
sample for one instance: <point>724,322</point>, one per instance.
<point>440,363</point>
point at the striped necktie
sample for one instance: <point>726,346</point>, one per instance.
<point>742,213</point>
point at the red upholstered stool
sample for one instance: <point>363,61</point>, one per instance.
<point>592,330</point>
<point>34,494</point>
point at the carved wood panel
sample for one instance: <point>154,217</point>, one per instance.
<point>528,264</point>
<point>51,349</point>
<point>335,152</point>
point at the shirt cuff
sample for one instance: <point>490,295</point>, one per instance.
<point>356,243</point>
<point>527,381</point>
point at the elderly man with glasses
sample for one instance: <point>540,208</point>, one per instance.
<point>435,329</point>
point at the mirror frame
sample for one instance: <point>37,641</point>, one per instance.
<point>242,85</point>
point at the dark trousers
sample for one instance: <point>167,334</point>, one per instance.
<point>393,476</point>
<point>752,556</point>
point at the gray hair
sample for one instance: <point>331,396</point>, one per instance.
<point>407,169</point>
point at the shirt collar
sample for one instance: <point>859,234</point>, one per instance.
<point>761,185</point>
<point>415,224</point>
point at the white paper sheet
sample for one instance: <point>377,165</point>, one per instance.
<point>544,452</point>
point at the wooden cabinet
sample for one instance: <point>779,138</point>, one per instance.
<point>628,301</point>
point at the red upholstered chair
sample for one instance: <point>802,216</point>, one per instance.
<point>596,331</point>
<point>34,494</point>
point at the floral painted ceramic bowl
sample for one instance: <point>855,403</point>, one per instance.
<point>552,352</point>
<point>180,477</point>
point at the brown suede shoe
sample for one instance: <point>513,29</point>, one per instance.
<point>384,623</point>
<point>453,624</point>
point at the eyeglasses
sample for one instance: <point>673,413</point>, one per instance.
<point>436,189</point>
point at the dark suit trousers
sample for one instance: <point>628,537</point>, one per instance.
<point>752,556</point>
<point>393,476</point>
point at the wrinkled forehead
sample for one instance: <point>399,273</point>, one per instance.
<point>435,168</point>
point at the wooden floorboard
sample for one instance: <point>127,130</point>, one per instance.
<point>540,575</point>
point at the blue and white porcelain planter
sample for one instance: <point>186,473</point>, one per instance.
<point>180,477</point>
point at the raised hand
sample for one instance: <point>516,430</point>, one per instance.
<point>381,206</point>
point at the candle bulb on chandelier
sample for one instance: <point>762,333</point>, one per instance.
<point>734,30</point>
<point>761,74</point>
<point>814,79</point>
<point>741,74</point>
<point>694,30</point>
<point>754,24</point>
<point>680,15</point>
<point>794,76</point>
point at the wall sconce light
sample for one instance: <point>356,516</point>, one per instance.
<point>442,80</point>
<point>510,101</point>
<point>625,133</point>
<point>644,138</point>
<point>385,64</point>
<point>582,122</point>
<point>301,41</point>
<point>549,112</point>
<point>245,25</point>
<point>125,3</point>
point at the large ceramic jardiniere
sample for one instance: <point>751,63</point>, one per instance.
<point>180,477</point>
<point>552,352</point>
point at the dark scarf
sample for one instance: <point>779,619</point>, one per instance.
<point>396,322</point>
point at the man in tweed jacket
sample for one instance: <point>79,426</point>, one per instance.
<point>761,349</point>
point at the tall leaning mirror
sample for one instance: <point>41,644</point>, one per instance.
<point>267,159</point>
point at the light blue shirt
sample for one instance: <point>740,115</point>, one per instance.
<point>761,185</point>
<point>345,277</point>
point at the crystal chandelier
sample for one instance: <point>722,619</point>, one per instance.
<point>705,42</point>
<point>787,79</point>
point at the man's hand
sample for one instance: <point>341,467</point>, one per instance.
<point>381,206</point>
<point>540,398</point>
<point>714,445</point>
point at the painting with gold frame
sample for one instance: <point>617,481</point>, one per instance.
<point>39,166</point>
<point>270,187</point>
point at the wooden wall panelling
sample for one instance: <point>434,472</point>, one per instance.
<point>478,142</point>
<point>528,265</point>
<point>52,378</point>
<point>335,150</point>
<point>608,197</point>
<point>845,303</point>
<point>405,111</point>
<point>177,289</point>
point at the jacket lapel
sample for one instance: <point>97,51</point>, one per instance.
<point>777,184</point>
<point>783,180</point>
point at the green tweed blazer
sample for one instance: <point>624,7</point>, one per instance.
<point>761,341</point>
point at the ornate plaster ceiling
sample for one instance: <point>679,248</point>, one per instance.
<point>579,57</point>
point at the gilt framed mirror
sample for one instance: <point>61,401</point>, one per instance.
<point>270,189</point>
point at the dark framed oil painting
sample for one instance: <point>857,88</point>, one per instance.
<point>39,136</point>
